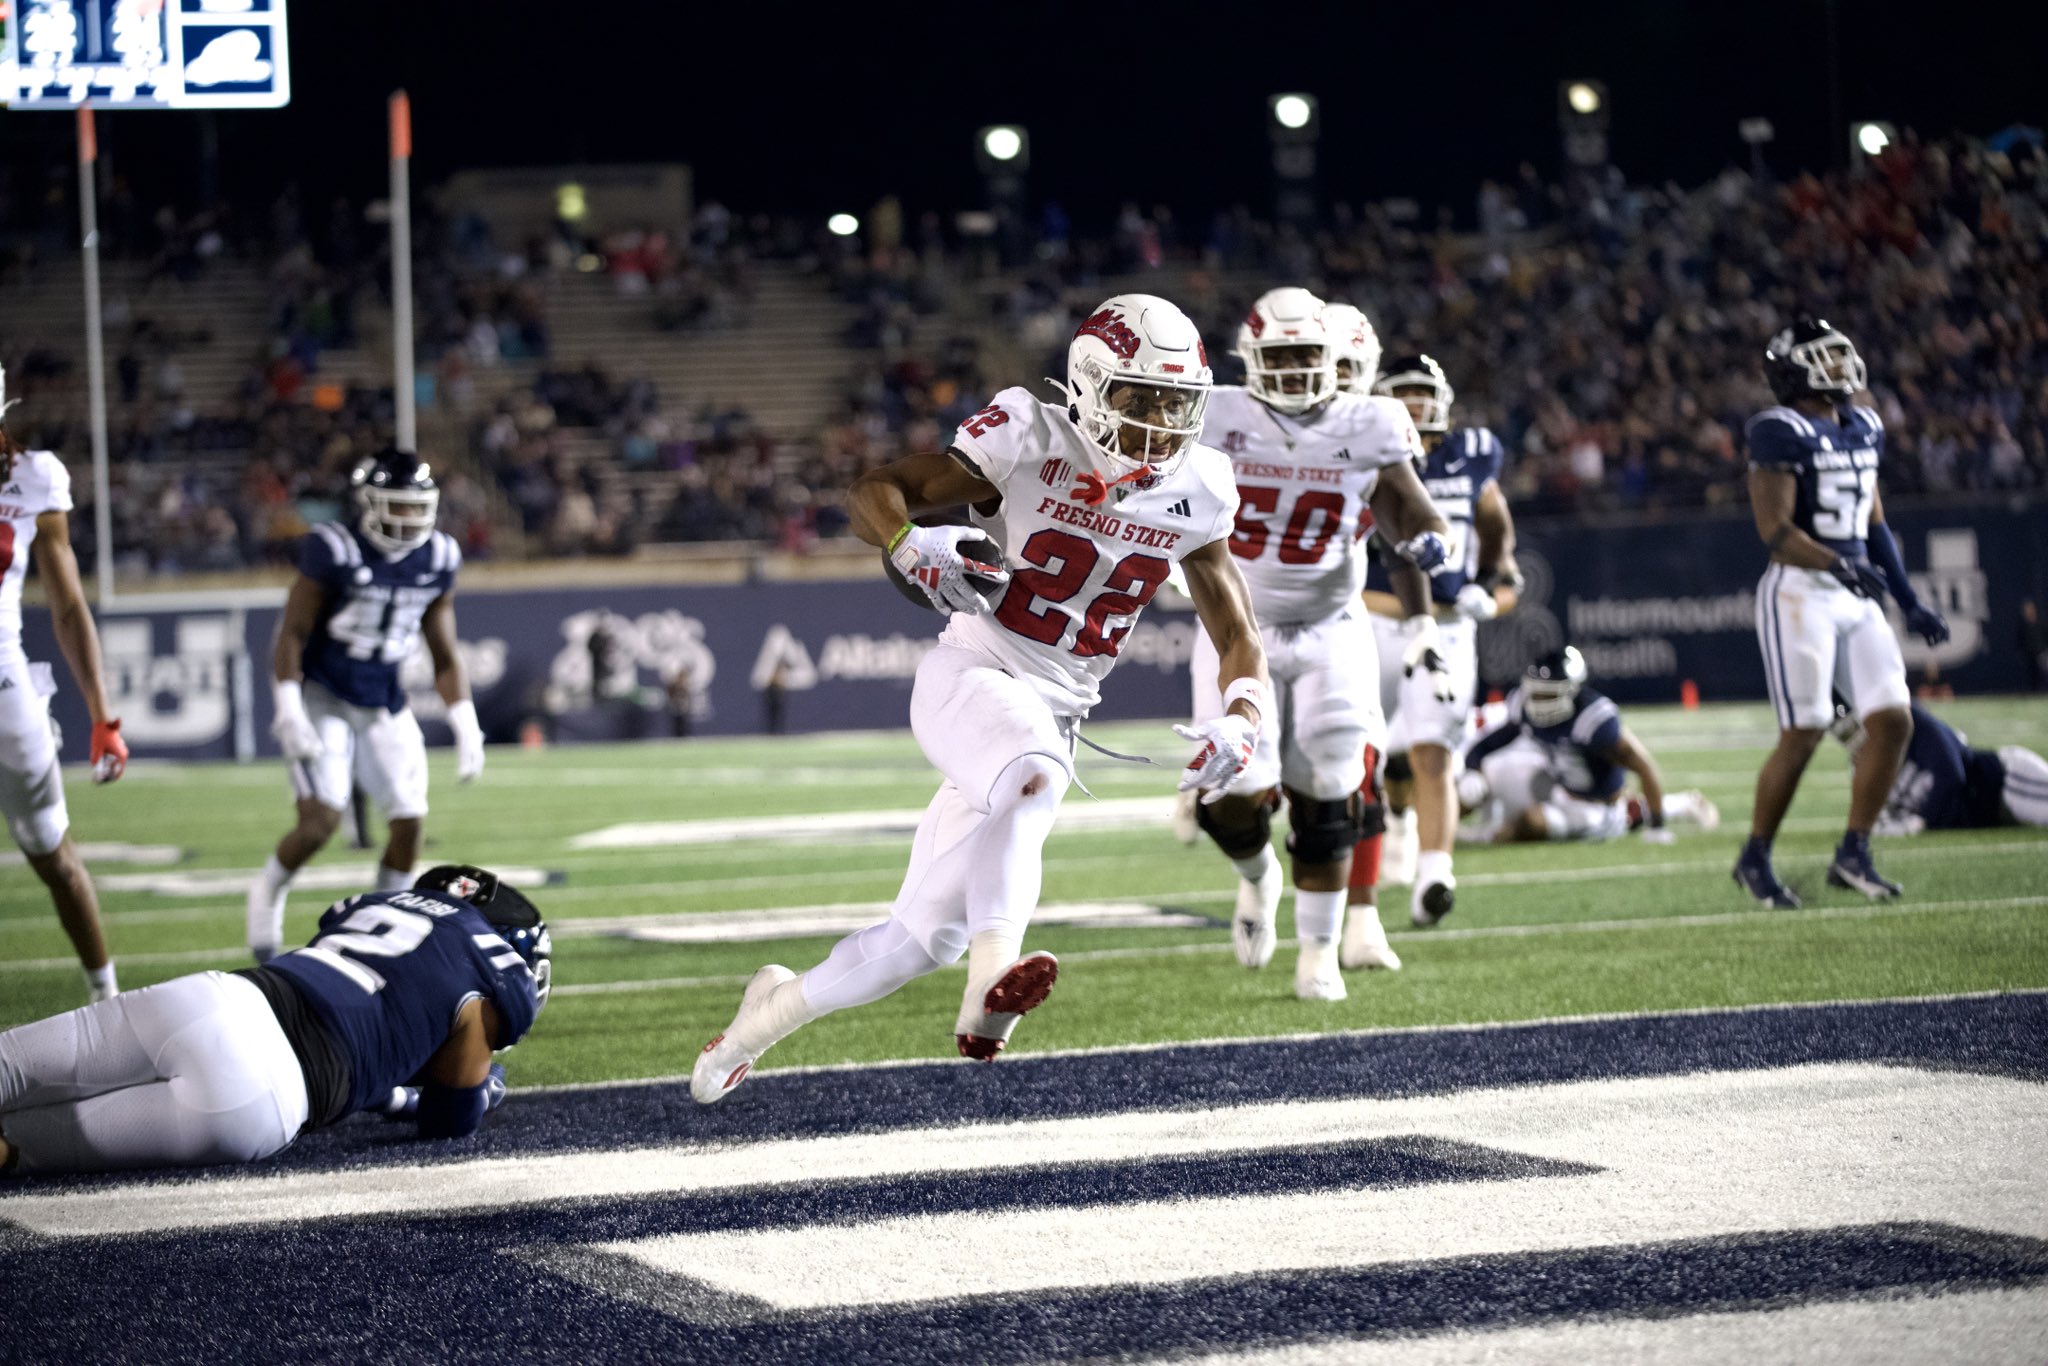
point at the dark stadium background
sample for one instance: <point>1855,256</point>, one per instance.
<point>1161,103</point>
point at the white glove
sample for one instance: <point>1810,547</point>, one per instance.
<point>469,740</point>
<point>1425,651</point>
<point>292,727</point>
<point>1477,603</point>
<point>1226,749</point>
<point>1658,834</point>
<point>929,556</point>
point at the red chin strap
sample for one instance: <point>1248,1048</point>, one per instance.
<point>1094,489</point>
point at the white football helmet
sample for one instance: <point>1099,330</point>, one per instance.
<point>1138,382</point>
<point>1288,319</point>
<point>1358,347</point>
<point>1418,381</point>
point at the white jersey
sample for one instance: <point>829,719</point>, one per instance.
<point>38,483</point>
<point>1302,486</point>
<point>1079,575</point>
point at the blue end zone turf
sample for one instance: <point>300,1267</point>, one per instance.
<point>525,1284</point>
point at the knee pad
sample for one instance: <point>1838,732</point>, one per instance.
<point>1323,831</point>
<point>1399,770</point>
<point>1243,840</point>
<point>40,831</point>
<point>36,814</point>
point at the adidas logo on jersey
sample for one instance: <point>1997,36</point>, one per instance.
<point>1344,454</point>
<point>1180,509</point>
<point>11,491</point>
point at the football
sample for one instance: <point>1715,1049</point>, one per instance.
<point>979,548</point>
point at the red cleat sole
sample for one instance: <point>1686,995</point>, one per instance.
<point>1024,987</point>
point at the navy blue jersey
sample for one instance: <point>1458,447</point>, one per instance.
<point>1583,750</point>
<point>1834,461</point>
<point>370,615</point>
<point>1455,472</point>
<point>388,972</point>
<point>1944,782</point>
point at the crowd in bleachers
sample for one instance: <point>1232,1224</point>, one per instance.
<point>1610,332</point>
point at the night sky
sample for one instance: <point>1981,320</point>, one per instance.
<point>778,108</point>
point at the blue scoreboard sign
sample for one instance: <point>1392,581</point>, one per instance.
<point>144,54</point>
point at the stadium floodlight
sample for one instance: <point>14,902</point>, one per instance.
<point>1871,137</point>
<point>842,225</point>
<point>1585,97</point>
<point>1003,142</point>
<point>1293,111</point>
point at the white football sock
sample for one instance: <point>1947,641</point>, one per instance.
<point>1258,866</point>
<point>1006,852</point>
<point>265,911</point>
<point>391,879</point>
<point>1319,916</point>
<point>99,981</point>
<point>1433,865</point>
<point>865,966</point>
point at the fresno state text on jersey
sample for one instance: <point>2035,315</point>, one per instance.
<point>370,613</point>
<point>1303,485</point>
<point>1080,573</point>
<point>37,483</point>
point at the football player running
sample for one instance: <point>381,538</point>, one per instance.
<point>1554,766</point>
<point>395,1008</point>
<point>1819,610</point>
<point>1316,467</point>
<point>363,597</point>
<point>1091,500</point>
<point>35,496</point>
<point>1946,785</point>
<point>1477,581</point>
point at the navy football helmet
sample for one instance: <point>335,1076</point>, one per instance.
<point>1810,359</point>
<point>1551,684</point>
<point>516,919</point>
<point>399,500</point>
<point>1431,410</point>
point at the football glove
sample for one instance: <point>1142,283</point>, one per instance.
<point>110,751</point>
<point>469,740</point>
<point>1425,652</point>
<point>294,729</point>
<point>1926,623</point>
<point>1859,577</point>
<point>1476,603</point>
<point>929,557</point>
<point>1425,552</point>
<point>1226,750</point>
<point>404,1101</point>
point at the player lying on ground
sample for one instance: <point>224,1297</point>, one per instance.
<point>395,1007</point>
<point>1555,766</point>
<point>1091,501</point>
<point>1819,610</point>
<point>1317,468</point>
<point>35,498</point>
<point>1945,785</point>
<point>364,596</point>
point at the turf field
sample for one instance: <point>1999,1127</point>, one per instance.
<point>1540,932</point>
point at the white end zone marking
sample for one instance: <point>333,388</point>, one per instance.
<point>1682,1156</point>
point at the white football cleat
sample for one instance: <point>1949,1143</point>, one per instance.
<point>1253,932</point>
<point>1186,828</point>
<point>725,1062</point>
<point>1704,813</point>
<point>1315,973</point>
<point>1399,850</point>
<point>1365,942</point>
<point>990,1010</point>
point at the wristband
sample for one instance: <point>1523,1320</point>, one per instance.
<point>1654,819</point>
<point>1246,689</point>
<point>462,717</point>
<point>289,696</point>
<point>901,532</point>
